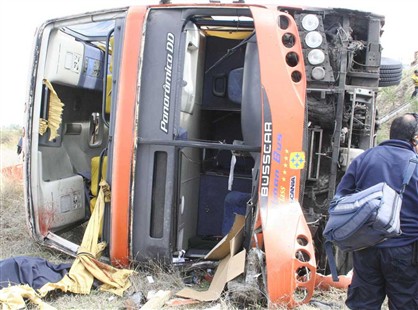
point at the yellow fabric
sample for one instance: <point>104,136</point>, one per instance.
<point>12,297</point>
<point>111,44</point>
<point>86,266</point>
<point>94,184</point>
<point>43,126</point>
<point>109,82</point>
<point>93,201</point>
<point>109,93</point>
<point>234,35</point>
<point>95,166</point>
<point>55,109</point>
<point>415,79</point>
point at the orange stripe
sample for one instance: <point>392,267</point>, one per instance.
<point>124,135</point>
<point>286,99</point>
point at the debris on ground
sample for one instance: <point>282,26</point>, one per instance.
<point>13,297</point>
<point>180,302</point>
<point>156,300</point>
<point>135,301</point>
<point>232,264</point>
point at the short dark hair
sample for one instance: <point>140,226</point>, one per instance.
<point>404,127</point>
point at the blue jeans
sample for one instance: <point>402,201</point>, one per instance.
<point>381,272</point>
<point>235,203</point>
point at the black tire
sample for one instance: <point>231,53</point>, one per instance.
<point>390,73</point>
<point>390,64</point>
<point>387,84</point>
<point>391,77</point>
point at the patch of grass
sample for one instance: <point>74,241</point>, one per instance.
<point>9,135</point>
<point>390,98</point>
<point>414,105</point>
<point>12,220</point>
<point>95,300</point>
<point>9,138</point>
<point>383,132</point>
<point>163,277</point>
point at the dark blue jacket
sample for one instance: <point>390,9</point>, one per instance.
<point>387,162</point>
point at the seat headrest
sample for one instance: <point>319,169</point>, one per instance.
<point>251,96</point>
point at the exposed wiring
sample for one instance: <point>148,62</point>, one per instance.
<point>341,32</point>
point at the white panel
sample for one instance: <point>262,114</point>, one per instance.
<point>64,59</point>
<point>63,202</point>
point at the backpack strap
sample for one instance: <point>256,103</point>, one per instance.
<point>331,260</point>
<point>409,172</point>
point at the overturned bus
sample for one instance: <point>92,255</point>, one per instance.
<point>176,105</point>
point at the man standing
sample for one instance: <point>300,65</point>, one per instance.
<point>415,79</point>
<point>389,268</point>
